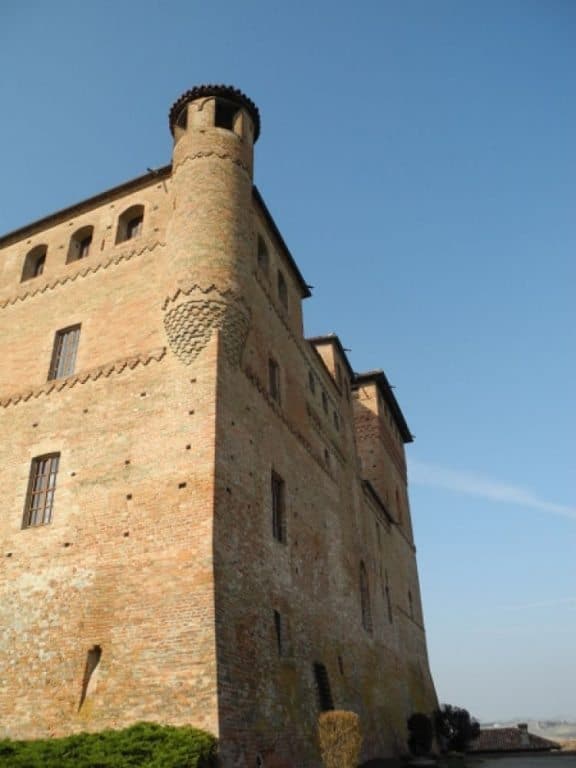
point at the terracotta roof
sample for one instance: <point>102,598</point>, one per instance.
<point>226,92</point>
<point>510,740</point>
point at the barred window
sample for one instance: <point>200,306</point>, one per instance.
<point>64,352</point>
<point>323,687</point>
<point>278,488</point>
<point>41,488</point>
<point>365,599</point>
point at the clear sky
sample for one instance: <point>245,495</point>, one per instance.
<point>419,157</point>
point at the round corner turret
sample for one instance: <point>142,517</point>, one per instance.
<point>215,106</point>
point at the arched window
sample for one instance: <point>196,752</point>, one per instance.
<point>410,604</point>
<point>80,243</point>
<point>34,262</point>
<point>263,257</point>
<point>365,599</point>
<point>130,224</point>
<point>225,114</point>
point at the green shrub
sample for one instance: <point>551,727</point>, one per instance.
<point>145,745</point>
<point>340,739</point>
<point>421,733</point>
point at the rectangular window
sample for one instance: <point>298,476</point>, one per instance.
<point>41,487</point>
<point>274,380</point>
<point>64,352</point>
<point>278,488</point>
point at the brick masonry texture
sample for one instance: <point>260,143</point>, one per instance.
<point>160,549</point>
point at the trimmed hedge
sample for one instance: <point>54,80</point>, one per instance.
<point>144,745</point>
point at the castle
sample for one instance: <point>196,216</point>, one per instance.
<point>205,516</point>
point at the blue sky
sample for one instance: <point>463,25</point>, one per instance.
<point>419,158</point>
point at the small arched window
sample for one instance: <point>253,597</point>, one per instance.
<point>365,599</point>
<point>225,114</point>
<point>263,256</point>
<point>410,604</point>
<point>80,243</point>
<point>34,262</point>
<point>130,224</point>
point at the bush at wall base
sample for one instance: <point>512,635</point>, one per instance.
<point>144,745</point>
<point>339,738</point>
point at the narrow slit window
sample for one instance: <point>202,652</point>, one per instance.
<point>64,352</point>
<point>278,489</point>
<point>41,488</point>
<point>324,691</point>
<point>388,601</point>
<point>274,380</point>
<point>282,290</point>
<point>279,633</point>
<point>263,256</point>
<point>92,661</point>
<point>365,599</point>
<point>311,382</point>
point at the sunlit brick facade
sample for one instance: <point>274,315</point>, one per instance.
<point>203,512</point>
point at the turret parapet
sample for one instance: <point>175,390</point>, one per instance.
<point>226,96</point>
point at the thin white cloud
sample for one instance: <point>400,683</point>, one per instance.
<point>568,601</point>
<point>472,484</point>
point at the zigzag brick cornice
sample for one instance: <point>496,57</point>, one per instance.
<point>196,287</point>
<point>211,153</point>
<point>84,272</point>
<point>106,370</point>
